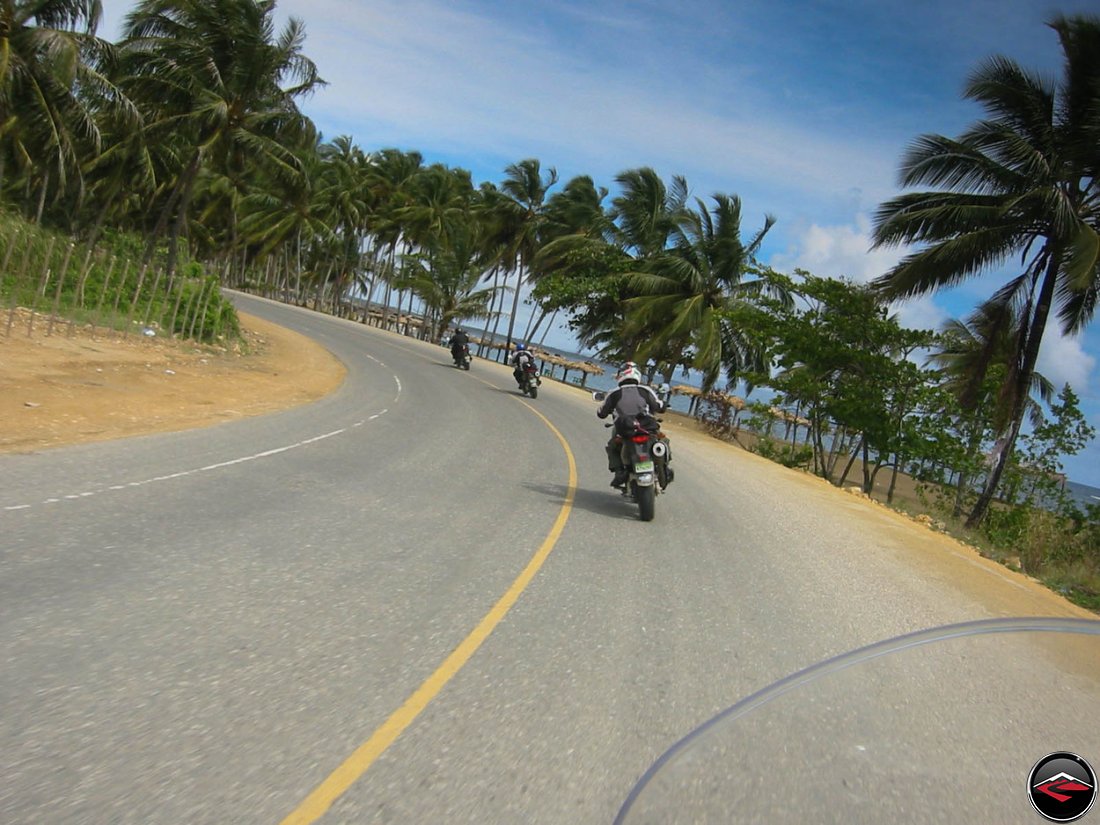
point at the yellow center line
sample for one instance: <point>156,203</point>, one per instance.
<point>314,806</point>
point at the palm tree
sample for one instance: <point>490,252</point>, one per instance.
<point>518,219</point>
<point>285,216</point>
<point>576,213</point>
<point>346,200</point>
<point>1025,182</point>
<point>638,228</point>
<point>683,291</point>
<point>448,289</point>
<point>212,73</point>
<point>646,213</point>
<point>391,182</point>
<point>45,123</point>
<point>972,355</point>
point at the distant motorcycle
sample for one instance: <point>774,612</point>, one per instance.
<point>646,455</point>
<point>461,356</point>
<point>529,380</point>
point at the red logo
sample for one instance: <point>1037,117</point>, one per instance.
<point>1062,787</point>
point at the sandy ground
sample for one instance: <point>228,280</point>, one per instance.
<point>67,388</point>
<point>64,388</point>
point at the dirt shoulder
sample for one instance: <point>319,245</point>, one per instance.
<point>72,387</point>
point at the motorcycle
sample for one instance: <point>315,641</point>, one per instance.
<point>462,357</point>
<point>983,721</point>
<point>646,455</point>
<point>529,380</point>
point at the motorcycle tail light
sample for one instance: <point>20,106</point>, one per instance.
<point>639,439</point>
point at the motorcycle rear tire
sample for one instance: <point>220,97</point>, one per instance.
<point>533,390</point>
<point>647,502</point>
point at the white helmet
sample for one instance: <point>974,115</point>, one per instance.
<point>629,374</point>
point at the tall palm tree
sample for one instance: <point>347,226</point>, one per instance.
<point>46,58</point>
<point>973,354</point>
<point>638,228</point>
<point>449,288</point>
<point>346,200</point>
<point>518,220</point>
<point>575,213</point>
<point>391,181</point>
<point>284,215</point>
<point>683,291</point>
<point>212,73</point>
<point>1023,183</point>
<point>646,212</point>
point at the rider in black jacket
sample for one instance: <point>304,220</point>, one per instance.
<point>631,401</point>
<point>459,340</point>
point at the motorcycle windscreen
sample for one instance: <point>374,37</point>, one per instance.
<point>947,730</point>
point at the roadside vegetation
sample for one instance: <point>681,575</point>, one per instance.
<point>137,178</point>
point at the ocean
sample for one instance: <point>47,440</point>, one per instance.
<point>1083,494</point>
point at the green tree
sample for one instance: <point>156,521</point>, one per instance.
<point>836,354</point>
<point>1022,183</point>
<point>638,227</point>
<point>211,75</point>
<point>47,52</point>
<point>517,220</point>
<point>392,181</point>
<point>1036,476</point>
<point>449,287</point>
<point>974,357</point>
<point>683,290</point>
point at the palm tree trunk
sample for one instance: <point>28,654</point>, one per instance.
<point>178,227</point>
<point>893,479</point>
<point>494,308</point>
<point>42,199</point>
<point>549,327</point>
<point>1022,385</point>
<point>515,308</point>
<point>533,326</point>
<point>166,211</point>
<point>868,476</point>
<point>848,466</point>
<point>389,287</point>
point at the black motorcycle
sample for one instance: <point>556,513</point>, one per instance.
<point>461,356</point>
<point>646,455</point>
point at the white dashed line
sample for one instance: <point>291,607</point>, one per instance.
<point>209,467</point>
<point>185,473</point>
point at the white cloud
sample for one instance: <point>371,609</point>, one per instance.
<point>1063,360</point>
<point>423,74</point>
<point>844,251</point>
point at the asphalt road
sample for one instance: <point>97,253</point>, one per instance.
<point>417,600</point>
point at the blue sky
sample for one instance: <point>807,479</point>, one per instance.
<point>802,109</point>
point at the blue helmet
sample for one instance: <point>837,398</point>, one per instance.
<point>520,347</point>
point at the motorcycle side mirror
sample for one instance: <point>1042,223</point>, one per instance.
<point>599,396</point>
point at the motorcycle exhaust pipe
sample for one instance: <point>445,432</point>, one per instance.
<point>659,450</point>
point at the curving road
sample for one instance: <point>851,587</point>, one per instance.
<point>417,600</point>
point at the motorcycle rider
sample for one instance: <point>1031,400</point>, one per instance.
<point>459,341</point>
<point>520,359</point>
<point>633,400</point>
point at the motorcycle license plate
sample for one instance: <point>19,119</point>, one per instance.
<point>643,467</point>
